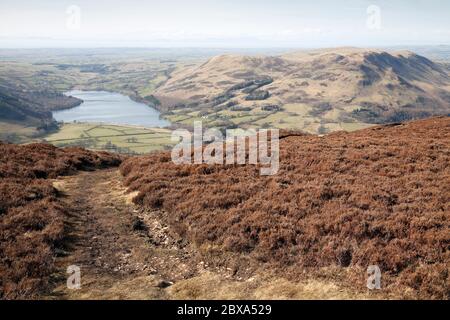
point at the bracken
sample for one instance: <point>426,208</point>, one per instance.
<point>379,196</point>
<point>31,216</point>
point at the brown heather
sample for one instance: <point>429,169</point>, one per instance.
<point>32,220</point>
<point>377,196</point>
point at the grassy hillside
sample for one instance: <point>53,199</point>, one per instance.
<point>315,91</point>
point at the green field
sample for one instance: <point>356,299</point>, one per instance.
<point>131,140</point>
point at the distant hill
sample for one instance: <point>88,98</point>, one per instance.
<point>335,85</point>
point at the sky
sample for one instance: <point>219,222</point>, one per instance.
<point>223,23</point>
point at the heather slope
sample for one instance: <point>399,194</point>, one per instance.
<point>32,217</point>
<point>347,200</point>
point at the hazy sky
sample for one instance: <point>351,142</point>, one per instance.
<point>223,23</point>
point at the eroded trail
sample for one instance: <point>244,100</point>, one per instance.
<point>123,252</point>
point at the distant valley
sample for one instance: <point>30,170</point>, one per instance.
<point>318,91</point>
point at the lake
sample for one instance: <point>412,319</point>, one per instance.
<point>111,108</point>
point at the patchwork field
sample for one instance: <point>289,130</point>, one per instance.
<point>292,116</point>
<point>130,140</point>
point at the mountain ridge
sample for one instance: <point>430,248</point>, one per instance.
<point>350,84</point>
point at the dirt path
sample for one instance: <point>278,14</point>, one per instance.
<point>125,252</point>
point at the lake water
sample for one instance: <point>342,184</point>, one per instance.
<point>112,108</point>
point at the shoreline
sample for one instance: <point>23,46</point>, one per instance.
<point>133,98</point>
